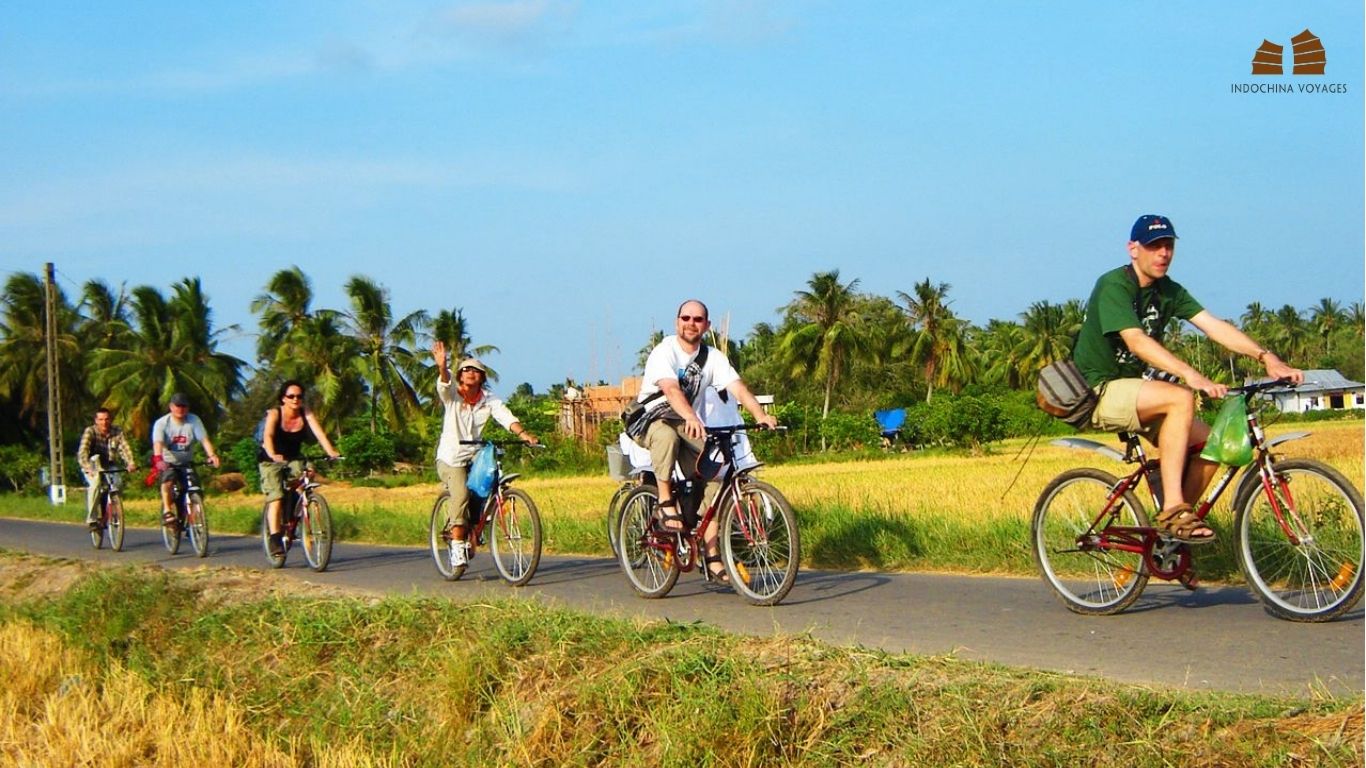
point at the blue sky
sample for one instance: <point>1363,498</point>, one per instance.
<point>567,172</point>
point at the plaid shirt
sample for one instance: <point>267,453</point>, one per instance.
<point>94,444</point>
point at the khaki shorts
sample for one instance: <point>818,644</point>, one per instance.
<point>1117,409</point>
<point>273,477</point>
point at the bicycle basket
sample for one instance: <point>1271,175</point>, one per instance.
<point>618,465</point>
<point>1229,441</point>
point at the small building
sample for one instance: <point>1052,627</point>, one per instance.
<point>1322,390</point>
<point>583,410</point>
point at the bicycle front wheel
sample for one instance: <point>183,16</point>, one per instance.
<point>1305,562</point>
<point>516,538</point>
<point>440,536</point>
<point>315,532</point>
<point>114,522</point>
<point>97,533</point>
<point>197,521</point>
<point>759,543</point>
<point>171,533</point>
<point>651,569</point>
<point>1088,575</point>
<point>275,561</point>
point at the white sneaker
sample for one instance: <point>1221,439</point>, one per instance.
<point>458,556</point>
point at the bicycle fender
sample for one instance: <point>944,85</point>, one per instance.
<point>1287,437</point>
<point>1081,443</point>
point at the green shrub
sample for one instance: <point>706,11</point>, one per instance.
<point>365,452</point>
<point>241,457</point>
<point>19,468</point>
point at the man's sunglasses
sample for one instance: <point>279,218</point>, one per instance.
<point>693,318</point>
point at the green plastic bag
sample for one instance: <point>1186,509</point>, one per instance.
<point>1229,441</point>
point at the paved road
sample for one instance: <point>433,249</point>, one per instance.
<point>1231,644</point>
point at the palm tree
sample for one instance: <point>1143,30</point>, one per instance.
<point>1255,319</point>
<point>104,315</point>
<point>656,337</point>
<point>1289,332</point>
<point>997,354</point>
<point>309,345</point>
<point>23,352</point>
<point>1327,316</point>
<point>386,360</point>
<point>1356,320</point>
<point>283,308</point>
<point>929,315</point>
<point>829,333</point>
<point>172,347</point>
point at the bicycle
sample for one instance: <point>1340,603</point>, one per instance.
<point>759,545</point>
<point>1297,526</point>
<point>305,517</point>
<point>508,512</point>
<point>110,501</point>
<point>189,512</point>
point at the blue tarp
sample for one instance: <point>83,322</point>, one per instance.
<point>891,419</point>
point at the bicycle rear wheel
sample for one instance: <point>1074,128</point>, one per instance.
<point>515,540</point>
<point>651,569</point>
<point>440,537</point>
<point>1089,576</point>
<point>315,532</point>
<point>275,561</point>
<point>1316,576</point>
<point>759,543</point>
<point>197,523</point>
<point>114,522</point>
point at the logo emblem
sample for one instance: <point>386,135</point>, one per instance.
<point>1307,53</point>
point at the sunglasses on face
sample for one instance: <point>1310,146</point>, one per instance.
<point>295,396</point>
<point>692,318</point>
<point>470,368</point>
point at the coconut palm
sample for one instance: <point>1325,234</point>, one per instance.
<point>928,314</point>
<point>1327,317</point>
<point>104,315</point>
<point>283,308</point>
<point>387,360</point>
<point>172,347</point>
<point>1289,333</point>
<point>23,352</point>
<point>828,335</point>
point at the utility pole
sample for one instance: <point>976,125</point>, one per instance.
<point>55,466</point>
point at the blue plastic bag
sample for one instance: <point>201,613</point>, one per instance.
<point>483,472</point>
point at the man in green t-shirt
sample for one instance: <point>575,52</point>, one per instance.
<point>1121,339</point>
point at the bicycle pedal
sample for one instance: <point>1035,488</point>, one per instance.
<point>1189,581</point>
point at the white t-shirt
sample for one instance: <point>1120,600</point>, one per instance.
<point>178,439</point>
<point>669,361</point>
<point>714,413</point>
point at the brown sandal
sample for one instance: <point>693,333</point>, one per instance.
<point>1183,525</point>
<point>663,519</point>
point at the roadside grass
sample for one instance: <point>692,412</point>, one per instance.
<point>903,511</point>
<point>141,666</point>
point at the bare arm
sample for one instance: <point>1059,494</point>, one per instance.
<point>439,356</point>
<point>692,425</point>
<point>1229,337</point>
<point>746,398</point>
<point>1153,353</point>
<point>320,434</point>
<point>268,435</point>
<point>208,449</point>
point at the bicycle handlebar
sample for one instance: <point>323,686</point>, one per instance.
<point>503,443</point>
<point>1261,386</point>
<point>744,428</point>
